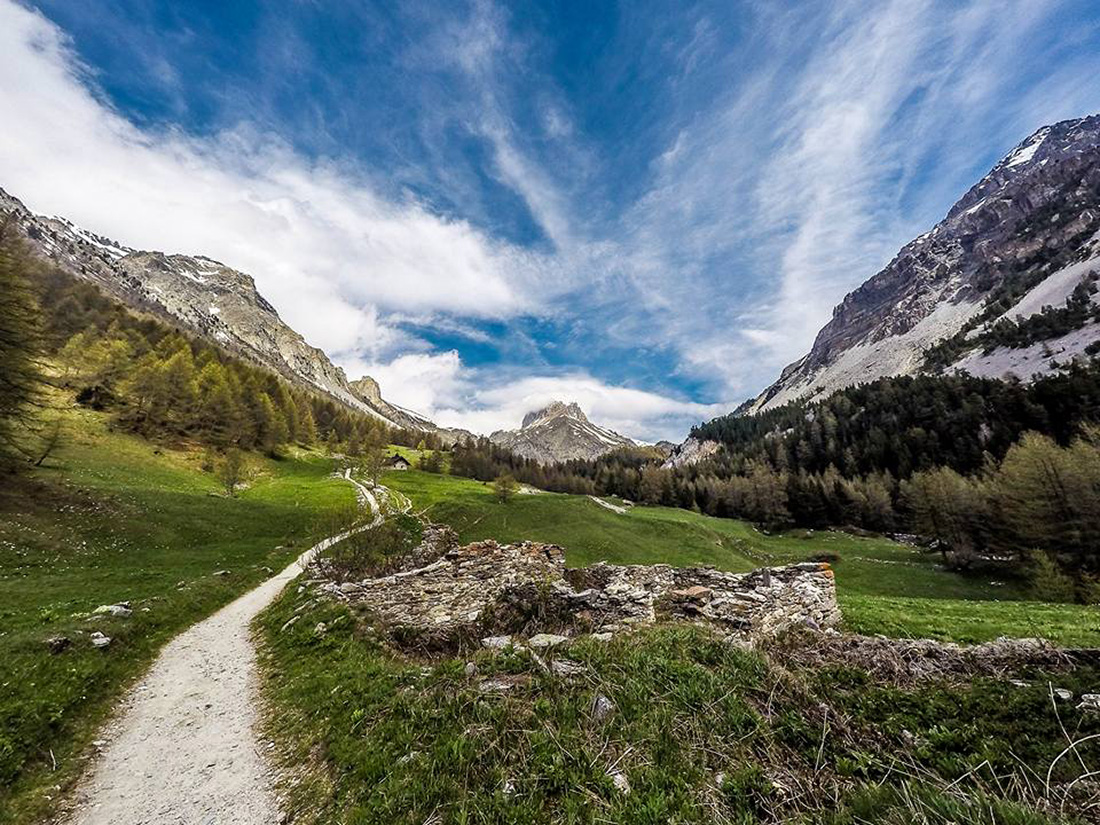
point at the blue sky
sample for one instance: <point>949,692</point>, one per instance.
<point>647,207</point>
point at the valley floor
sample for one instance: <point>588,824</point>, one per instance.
<point>114,518</point>
<point>883,586</point>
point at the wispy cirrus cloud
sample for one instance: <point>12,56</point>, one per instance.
<point>643,210</point>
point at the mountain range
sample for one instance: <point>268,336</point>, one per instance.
<point>559,432</point>
<point>1004,285</point>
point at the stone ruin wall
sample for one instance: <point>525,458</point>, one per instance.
<point>486,587</point>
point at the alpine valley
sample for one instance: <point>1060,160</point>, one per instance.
<point>241,585</point>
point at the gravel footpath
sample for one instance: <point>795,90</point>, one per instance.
<point>184,747</point>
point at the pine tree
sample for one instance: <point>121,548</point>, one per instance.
<point>20,343</point>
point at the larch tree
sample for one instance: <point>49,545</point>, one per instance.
<point>20,367</point>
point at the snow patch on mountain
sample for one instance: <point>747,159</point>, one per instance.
<point>1054,290</point>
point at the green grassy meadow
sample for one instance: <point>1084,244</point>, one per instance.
<point>883,586</point>
<point>701,730</point>
<point>116,518</point>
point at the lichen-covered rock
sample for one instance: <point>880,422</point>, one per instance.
<point>472,591</point>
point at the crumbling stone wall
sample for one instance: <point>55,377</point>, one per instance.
<point>473,590</point>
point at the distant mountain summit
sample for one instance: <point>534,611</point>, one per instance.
<point>209,299</point>
<point>1002,285</point>
<point>559,432</point>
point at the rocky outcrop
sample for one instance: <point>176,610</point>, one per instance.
<point>208,298</point>
<point>487,588</point>
<point>692,451</point>
<point>559,432</point>
<point>1036,213</point>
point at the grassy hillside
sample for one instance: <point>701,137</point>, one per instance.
<point>698,729</point>
<point>116,518</point>
<point>883,586</point>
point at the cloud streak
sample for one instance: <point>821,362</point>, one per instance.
<point>769,160</point>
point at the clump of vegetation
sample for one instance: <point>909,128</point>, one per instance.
<point>20,350</point>
<point>504,487</point>
<point>375,551</point>
<point>668,724</point>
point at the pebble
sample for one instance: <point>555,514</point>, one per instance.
<point>121,610</point>
<point>563,667</point>
<point>602,707</point>
<point>545,640</point>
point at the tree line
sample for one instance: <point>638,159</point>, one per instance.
<point>152,377</point>
<point>983,469</point>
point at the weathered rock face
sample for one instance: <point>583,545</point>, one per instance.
<point>1039,202</point>
<point>482,588</point>
<point>559,432</point>
<point>692,451</point>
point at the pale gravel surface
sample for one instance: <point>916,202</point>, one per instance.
<point>608,505</point>
<point>184,747</point>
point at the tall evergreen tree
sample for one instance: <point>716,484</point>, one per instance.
<point>20,325</point>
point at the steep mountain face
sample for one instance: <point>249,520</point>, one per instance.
<point>208,298</point>
<point>559,432</point>
<point>1022,239</point>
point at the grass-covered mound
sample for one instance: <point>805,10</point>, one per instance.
<point>669,724</point>
<point>883,586</point>
<point>116,518</point>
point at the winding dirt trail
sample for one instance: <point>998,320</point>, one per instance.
<point>184,747</point>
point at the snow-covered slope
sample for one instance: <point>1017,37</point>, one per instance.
<point>559,432</point>
<point>1033,219</point>
<point>209,298</point>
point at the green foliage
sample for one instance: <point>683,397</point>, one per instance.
<point>163,384</point>
<point>372,552</point>
<point>701,730</point>
<point>231,470</point>
<point>110,519</point>
<point>20,345</point>
<point>504,488</point>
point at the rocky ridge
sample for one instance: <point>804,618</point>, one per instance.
<point>559,432</point>
<point>1034,218</point>
<point>208,298</point>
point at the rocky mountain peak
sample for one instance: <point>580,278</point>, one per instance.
<point>367,389</point>
<point>1026,224</point>
<point>553,410</point>
<point>559,432</point>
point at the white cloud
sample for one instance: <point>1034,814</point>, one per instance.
<point>322,244</point>
<point>441,387</point>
